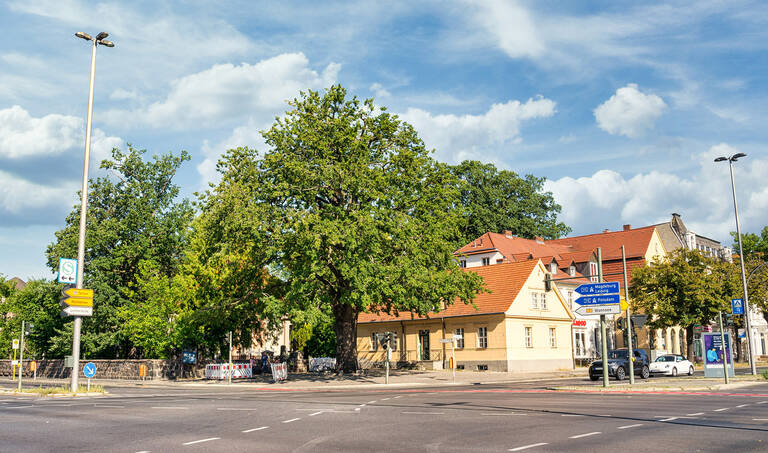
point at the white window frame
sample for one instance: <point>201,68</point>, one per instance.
<point>528,336</point>
<point>580,341</point>
<point>460,342</point>
<point>553,268</point>
<point>534,300</point>
<point>543,301</point>
<point>593,271</point>
<point>572,270</point>
<point>553,337</point>
<point>482,337</point>
<point>486,261</point>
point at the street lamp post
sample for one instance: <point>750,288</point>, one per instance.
<point>750,352</point>
<point>100,39</point>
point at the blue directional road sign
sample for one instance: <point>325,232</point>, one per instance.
<point>89,370</point>
<point>599,300</point>
<point>737,306</point>
<point>591,289</point>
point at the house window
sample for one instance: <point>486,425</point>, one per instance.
<point>486,261</point>
<point>374,342</point>
<point>534,300</point>
<point>552,337</point>
<point>570,299</point>
<point>482,337</point>
<point>593,272</point>
<point>460,342</point>
<point>463,263</point>
<point>543,301</point>
<point>553,268</point>
<point>580,342</point>
<point>529,337</point>
<point>572,270</point>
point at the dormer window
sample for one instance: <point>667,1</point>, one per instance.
<point>553,268</point>
<point>486,261</point>
<point>572,270</point>
<point>463,263</point>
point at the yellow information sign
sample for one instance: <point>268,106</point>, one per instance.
<point>77,297</point>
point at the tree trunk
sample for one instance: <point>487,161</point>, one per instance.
<point>345,325</point>
<point>689,343</point>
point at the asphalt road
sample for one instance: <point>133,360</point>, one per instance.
<point>455,419</point>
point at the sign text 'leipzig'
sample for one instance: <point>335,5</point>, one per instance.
<point>592,289</point>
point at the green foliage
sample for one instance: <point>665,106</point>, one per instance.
<point>685,288</point>
<point>497,200</point>
<point>348,208</point>
<point>322,343</point>
<point>134,219</point>
<point>752,243</point>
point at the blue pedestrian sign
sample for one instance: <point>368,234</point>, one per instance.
<point>737,306</point>
<point>599,300</point>
<point>591,289</point>
<point>89,370</point>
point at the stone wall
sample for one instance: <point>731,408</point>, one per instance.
<point>112,369</point>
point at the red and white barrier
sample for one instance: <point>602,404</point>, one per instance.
<point>222,371</point>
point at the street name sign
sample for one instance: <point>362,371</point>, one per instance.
<point>77,302</point>
<point>67,270</point>
<point>599,300</point>
<point>737,306</point>
<point>89,370</point>
<point>592,310</point>
<point>446,340</point>
<point>76,311</point>
<point>591,289</point>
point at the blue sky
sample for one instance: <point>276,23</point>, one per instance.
<point>622,106</point>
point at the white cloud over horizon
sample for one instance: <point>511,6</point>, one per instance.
<point>629,112</point>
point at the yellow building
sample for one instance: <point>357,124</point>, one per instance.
<point>518,326</point>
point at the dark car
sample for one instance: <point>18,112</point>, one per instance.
<point>618,365</point>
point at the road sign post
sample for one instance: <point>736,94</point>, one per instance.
<point>603,339</point>
<point>630,353</point>
<point>89,370</point>
<point>21,354</point>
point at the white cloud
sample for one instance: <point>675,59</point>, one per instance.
<point>629,112</point>
<point>121,94</point>
<point>456,138</point>
<point>247,135</point>
<point>17,194</point>
<point>228,92</point>
<point>379,91</point>
<point>703,197</point>
<point>22,135</point>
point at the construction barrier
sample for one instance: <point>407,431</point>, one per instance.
<point>322,364</point>
<point>279,371</point>
<point>222,371</point>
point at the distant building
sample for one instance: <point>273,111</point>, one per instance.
<point>676,235</point>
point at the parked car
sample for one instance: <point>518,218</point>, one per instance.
<point>671,365</point>
<point>618,365</point>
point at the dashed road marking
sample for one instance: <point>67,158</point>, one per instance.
<point>630,426</point>
<point>357,409</point>
<point>761,402</point>
<point>315,413</point>
<point>109,405</point>
<point>502,413</point>
<point>237,409</point>
<point>384,399</point>
<point>570,415</point>
<point>525,447</point>
<point>742,405</point>
<point>291,420</point>
<point>605,415</point>
<point>371,402</point>
<point>722,409</point>
<point>16,407</point>
<point>400,396</point>
<point>424,413</point>
<point>170,407</point>
<point>668,419</point>
<point>578,436</point>
<point>255,429</point>
<point>695,414</point>
<point>143,451</point>
<point>201,440</point>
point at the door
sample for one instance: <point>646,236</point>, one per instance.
<point>424,344</point>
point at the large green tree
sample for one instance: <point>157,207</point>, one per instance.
<point>350,211</point>
<point>497,200</point>
<point>684,289</point>
<point>753,244</point>
<point>135,218</point>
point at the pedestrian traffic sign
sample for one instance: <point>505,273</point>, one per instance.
<point>598,300</point>
<point>737,306</point>
<point>593,310</point>
<point>67,270</point>
<point>89,370</point>
<point>591,289</point>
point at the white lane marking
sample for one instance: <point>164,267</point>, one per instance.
<point>400,396</point>
<point>605,415</point>
<point>143,451</point>
<point>722,409</point>
<point>761,402</point>
<point>585,435</point>
<point>361,405</point>
<point>384,399</point>
<point>570,415</point>
<point>108,405</point>
<point>525,447</point>
<point>357,409</point>
<point>424,413</point>
<point>431,393</point>
<point>695,413</point>
<point>742,405</point>
<point>255,429</point>
<point>315,413</point>
<point>630,426</point>
<point>760,419</point>
<point>371,402</point>
<point>170,407</point>
<point>201,440</point>
<point>668,419</point>
<point>15,407</point>
<point>291,420</point>
<point>503,413</point>
<point>236,409</point>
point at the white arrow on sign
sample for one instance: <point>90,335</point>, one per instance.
<point>591,310</point>
<point>77,311</point>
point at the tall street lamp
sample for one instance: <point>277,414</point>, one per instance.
<point>100,39</point>
<point>750,352</point>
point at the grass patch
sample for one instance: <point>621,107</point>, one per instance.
<point>765,375</point>
<point>46,391</point>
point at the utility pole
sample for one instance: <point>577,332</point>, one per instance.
<point>630,352</point>
<point>388,357</point>
<point>722,340</point>
<point>603,339</point>
<point>21,354</point>
<point>229,375</point>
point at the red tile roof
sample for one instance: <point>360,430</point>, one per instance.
<point>635,242</point>
<point>503,280</point>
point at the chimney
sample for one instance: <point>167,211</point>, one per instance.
<point>509,234</point>
<point>627,227</point>
<point>539,240</point>
<point>606,230</point>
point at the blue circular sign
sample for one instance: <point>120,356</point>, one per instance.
<point>89,369</point>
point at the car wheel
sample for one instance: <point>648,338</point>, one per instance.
<point>620,373</point>
<point>645,373</point>
<point>690,371</point>
<point>674,372</point>
<point>593,378</point>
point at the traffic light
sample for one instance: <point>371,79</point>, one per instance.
<point>392,337</point>
<point>28,327</point>
<point>621,323</point>
<point>383,339</point>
